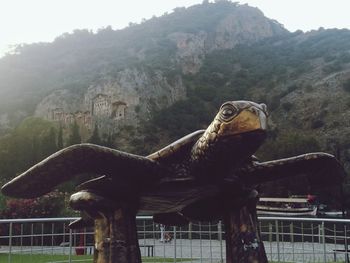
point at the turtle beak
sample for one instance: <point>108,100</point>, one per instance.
<point>256,118</point>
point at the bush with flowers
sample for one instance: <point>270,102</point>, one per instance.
<point>50,205</point>
<point>53,204</point>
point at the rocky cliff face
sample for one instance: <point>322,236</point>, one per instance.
<point>191,50</point>
<point>319,107</point>
<point>113,102</point>
<point>243,25</point>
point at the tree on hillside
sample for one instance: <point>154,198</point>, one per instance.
<point>74,137</point>
<point>346,85</point>
<point>34,150</point>
<point>287,145</point>
<point>25,146</point>
<point>95,138</point>
<point>109,141</point>
<point>60,138</point>
<point>48,143</point>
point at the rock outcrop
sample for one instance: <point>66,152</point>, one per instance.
<point>243,25</point>
<point>112,102</point>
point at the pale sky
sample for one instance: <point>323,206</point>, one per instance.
<point>29,21</point>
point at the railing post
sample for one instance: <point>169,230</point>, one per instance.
<point>174,234</point>
<point>180,234</point>
<point>190,231</point>
<point>21,240</point>
<point>210,247</point>
<point>313,242</point>
<point>31,238</point>
<point>277,241</point>
<point>10,243</point>
<point>292,239</point>
<point>302,240</point>
<point>42,238</point>
<point>144,237</point>
<point>346,244</point>
<point>291,232</point>
<point>70,245</point>
<point>154,238</point>
<point>324,243</point>
<point>200,242</point>
<point>52,237</point>
<point>220,239</point>
<point>282,239</point>
<point>270,239</point>
<point>163,241</point>
<point>190,235</point>
<point>319,234</point>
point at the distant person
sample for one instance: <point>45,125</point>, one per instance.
<point>162,233</point>
<point>165,237</point>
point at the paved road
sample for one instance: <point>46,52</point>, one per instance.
<point>213,250</point>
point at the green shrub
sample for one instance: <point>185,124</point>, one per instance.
<point>288,144</point>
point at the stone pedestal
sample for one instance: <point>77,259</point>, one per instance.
<point>243,241</point>
<point>116,238</point>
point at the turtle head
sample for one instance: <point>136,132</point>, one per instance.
<point>236,132</point>
<point>238,117</point>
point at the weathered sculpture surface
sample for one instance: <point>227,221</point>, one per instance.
<point>207,175</point>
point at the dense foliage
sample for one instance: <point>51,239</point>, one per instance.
<point>29,143</point>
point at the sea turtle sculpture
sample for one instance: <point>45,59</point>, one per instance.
<point>209,174</point>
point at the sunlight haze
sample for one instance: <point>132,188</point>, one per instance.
<point>42,21</point>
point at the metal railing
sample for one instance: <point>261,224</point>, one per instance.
<point>285,240</point>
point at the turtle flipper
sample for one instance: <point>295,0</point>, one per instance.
<point>82,158</point>
<point>319,169</point>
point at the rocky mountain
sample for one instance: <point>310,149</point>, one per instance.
<point>86,76</point>
<point>153,82</point>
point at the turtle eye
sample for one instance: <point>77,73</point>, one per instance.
<point>228,112</point>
